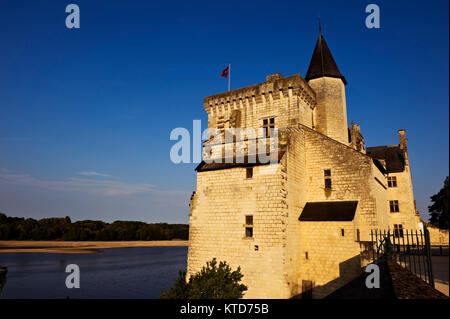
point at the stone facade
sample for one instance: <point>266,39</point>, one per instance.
<point>254,215</point>
<point>407,216</point>
<point>438,236</point>
<point>288,100</point>
<point>331,112</point>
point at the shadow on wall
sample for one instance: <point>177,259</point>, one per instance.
<point>349,285</point>
<point>357,289</point>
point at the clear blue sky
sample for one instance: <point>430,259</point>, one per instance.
<point>85,114</point>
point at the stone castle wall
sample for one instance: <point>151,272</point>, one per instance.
<point>404,194</point>
<point>438,236</point>
<point>354,177</point>
<point>334,259</point>
<point>328,259</point>
<point>284,253</point>
<point>218,209</point>
<point>330,115</point>
<point>289,100</point>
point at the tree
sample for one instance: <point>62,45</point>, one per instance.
<point>14,228</point>
<point>211,282</point>
<point>439,209</point>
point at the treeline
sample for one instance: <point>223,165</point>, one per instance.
<point>15,228</point>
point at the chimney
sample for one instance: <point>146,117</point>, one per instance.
<point>402,138</point>
<point>356,139</point>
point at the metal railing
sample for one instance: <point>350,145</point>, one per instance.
<point>409,248</point>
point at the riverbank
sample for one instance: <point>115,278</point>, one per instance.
<point>79,247</point>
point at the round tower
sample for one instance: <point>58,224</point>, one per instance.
<point>324,77</point>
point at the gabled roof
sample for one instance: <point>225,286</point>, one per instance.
<point>329,211</point>
<point>391,155</point>
<point>322,62</point>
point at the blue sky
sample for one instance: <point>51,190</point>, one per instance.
<point>86,114</point>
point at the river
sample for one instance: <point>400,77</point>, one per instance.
<point>112,273</point>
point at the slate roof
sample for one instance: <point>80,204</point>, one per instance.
<point>329,211</point>
<point>392,155</point>
<point>322,62</point>
<point>238,162</point>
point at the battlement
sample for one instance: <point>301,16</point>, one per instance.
<point>274,88</point>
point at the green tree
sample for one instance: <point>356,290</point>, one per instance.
<point>439,215</point>
<point>211,282</point>
<point>64,229</point>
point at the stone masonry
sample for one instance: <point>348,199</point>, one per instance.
<point>297,225</point>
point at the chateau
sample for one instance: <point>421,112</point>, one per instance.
<point>301,222</point>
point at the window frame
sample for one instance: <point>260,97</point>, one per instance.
<point>398,231</point>
<point>392,181</point>
<point>394,206</point>
<point>268,126</point>
<point>248,226</point>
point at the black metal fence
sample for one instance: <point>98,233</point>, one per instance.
<point>409,248</point>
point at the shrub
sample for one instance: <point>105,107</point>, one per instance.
<point>211,282</point>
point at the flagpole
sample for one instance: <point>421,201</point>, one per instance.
<point>229,76</point>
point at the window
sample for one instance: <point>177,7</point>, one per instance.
<point>342,232</point>
<point>268,126</point>
<point>306,255</point>
<point>393,205</point>
<point>392,181</point>
<point>398,230</point>
<point>327,176</point>
<point>249,172</point>
<point>249,226</point>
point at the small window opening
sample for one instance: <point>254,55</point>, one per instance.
<point>327,177</point>
<point>249,172</point>
<point>249,226</point>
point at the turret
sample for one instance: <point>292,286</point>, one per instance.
<point>324,77</point>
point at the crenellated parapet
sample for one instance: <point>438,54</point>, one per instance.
<point>275,88</point>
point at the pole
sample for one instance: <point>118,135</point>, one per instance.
<point>229,76</point>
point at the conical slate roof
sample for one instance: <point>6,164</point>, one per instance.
<point>322,62</point>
